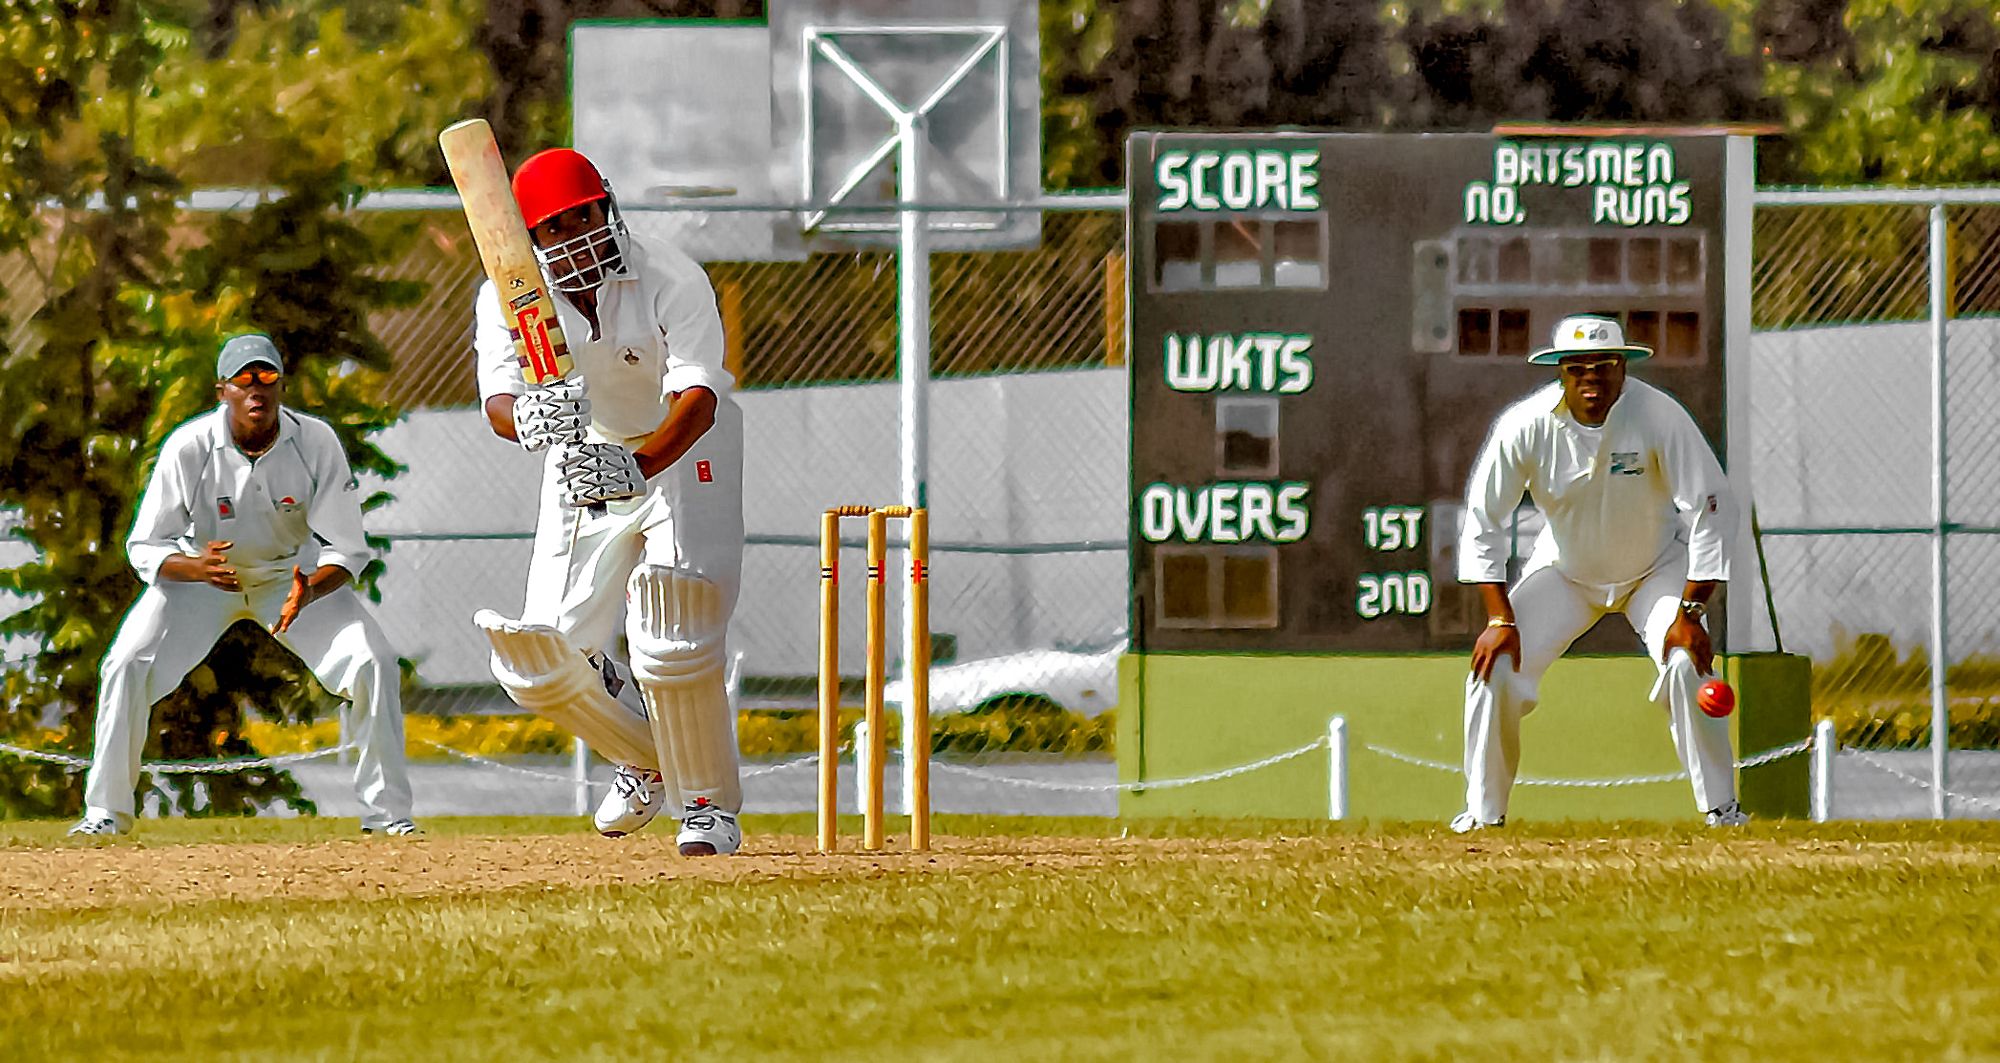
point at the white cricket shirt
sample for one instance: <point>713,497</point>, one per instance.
<point>1618,498</point>
<point>204,488</point>
<point>661,335</point>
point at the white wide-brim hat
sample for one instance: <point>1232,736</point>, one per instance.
<point>1588,334</point>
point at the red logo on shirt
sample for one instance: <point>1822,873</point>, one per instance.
<point>223,508</point>
<point>703,473</point>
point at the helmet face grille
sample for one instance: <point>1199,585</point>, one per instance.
<point>584,262</point>
<point>587,260</point>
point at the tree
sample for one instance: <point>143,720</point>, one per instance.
<point>1894,91</point>
<point>1624,61</point>
<point>1175,64</point>
<point>132,300</point>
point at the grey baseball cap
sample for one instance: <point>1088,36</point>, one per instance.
<point>245,350</point>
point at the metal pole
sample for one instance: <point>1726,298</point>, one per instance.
<point>1940,696</point>
<point>1336,775</point>
<point>913,315</point>
<point>1825,745</point>
<point>917,714</point>
<point>579,773</point>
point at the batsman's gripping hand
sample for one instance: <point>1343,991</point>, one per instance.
<point>552,414</point>
<point>590,473</point>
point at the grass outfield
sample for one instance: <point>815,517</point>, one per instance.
<point>1043,939</point>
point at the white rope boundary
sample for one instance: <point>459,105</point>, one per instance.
<point>1871,759</point>
<point>1789,749</point>
<point>177,767</point>
<point>1129,787</point>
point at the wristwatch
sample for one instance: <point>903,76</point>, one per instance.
<point>1694,609</point>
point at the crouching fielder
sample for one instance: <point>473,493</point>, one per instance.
<point>235,496</point>
<point>659,425</point>
<point>1638,517</point>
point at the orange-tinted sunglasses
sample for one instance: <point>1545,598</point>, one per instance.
<point>248,377</point>
<point>1595,365</point>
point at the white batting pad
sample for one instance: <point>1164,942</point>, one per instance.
<point>675,624</point>
<point>546,675</point>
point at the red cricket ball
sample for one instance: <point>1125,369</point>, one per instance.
<point>1716,698</point>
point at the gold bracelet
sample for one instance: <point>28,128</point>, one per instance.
<point>1500,621</point>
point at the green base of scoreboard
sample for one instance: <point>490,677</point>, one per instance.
<point>1185,714</point>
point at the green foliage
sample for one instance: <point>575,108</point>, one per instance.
<point>106,114</point>
<point>1891,91</point>
<point>311,86</point>
<point>1625,61</point>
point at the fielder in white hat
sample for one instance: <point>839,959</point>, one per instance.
<point>1638,516</point>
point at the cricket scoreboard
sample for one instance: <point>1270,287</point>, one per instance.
<point>1323,330</point>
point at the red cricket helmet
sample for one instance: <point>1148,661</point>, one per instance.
<point>560,179</point>
<point>555,180</point>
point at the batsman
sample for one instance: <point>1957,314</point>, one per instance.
<point>641,516</point>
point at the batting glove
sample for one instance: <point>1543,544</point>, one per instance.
<point>590,473</point>
<point>551,414</point>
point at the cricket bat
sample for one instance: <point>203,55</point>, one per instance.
<point>502,238</point>
<point>501,235</point>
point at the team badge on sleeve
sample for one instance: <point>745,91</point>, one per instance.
<point>704,472</point>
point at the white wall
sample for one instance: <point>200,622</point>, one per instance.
<point>1026,458</point>
<point>1842,423</point>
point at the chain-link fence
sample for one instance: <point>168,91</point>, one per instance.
<point>1876,370</point>
<point>1027,471</point>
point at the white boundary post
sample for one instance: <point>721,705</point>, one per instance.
<point>579,773</point>
<point>1336,763</point>
<point>1825,745</point>
<point>1940,661</point>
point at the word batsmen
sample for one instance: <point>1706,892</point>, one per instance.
<point>268,495</point>
<point>659,419</point>
<point>1639,519</point>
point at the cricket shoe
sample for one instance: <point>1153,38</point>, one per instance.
<point>99,825</point>
<point>1729,815</point>
<point>395,828</point>
<point>707,830</point>
<point>637,795</point>
<point>1465,823</point>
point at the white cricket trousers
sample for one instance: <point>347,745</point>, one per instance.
<point>690,519</point>
<point>174,625</point>
<point>1552,612</point>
